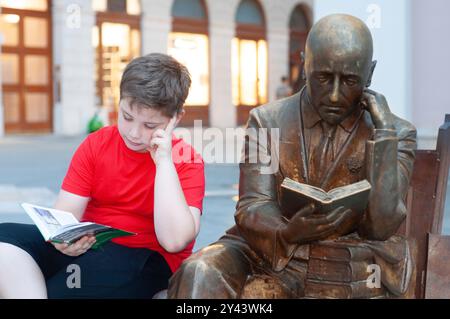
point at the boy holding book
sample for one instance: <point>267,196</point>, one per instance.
<point>134,176</point>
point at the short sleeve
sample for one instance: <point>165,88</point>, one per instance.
<point>80,175</point>
<point>192,181</point>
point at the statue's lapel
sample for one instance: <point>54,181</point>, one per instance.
<point>291,159</point>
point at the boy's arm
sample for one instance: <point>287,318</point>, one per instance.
<point>176,223</point>
<point>76,205</point>
<point>71,203</point>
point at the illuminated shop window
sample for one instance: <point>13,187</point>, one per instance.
<point>39,5</point>
<point>189,44</point>
<point>192,51</point>
<point>117,39</point>
<point>26,68</point>
<point>249,56</point>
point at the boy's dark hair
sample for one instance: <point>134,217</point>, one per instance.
<point>156,81</point>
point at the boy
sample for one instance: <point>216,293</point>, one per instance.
<point>124,176</point>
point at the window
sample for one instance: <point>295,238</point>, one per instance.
<point>189,44</point>
<point>117,39</point>
<point>132,7</point>
<point>26,61</point>
<point>192,51</point>
<point>249,58</point>
<point>299,25</point>
<point>38,5</point>
<point>249,12</point>
<point>249,72</point>
<point>193,9</point>
<point>9,27</point>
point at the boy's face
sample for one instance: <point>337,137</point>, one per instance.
<point>137,124</point>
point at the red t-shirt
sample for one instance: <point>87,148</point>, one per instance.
<point>120,184</point>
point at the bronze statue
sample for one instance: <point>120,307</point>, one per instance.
<point>334,132</point>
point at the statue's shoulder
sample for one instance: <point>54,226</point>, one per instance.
<point>277,111</point>
<point>404,128</point>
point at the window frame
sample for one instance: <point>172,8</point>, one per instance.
<point>195,26</point>
<point>21,87</point>
<point>253,32</point>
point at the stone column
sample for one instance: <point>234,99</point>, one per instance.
<point>222,112</point>
<point>156,25</point>
<point>278,14</point>
<point>74,56</point>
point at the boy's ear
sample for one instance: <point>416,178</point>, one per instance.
<point>180,116</point>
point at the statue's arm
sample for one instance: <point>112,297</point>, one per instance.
<point>258,215</point>
<point>389,163</point>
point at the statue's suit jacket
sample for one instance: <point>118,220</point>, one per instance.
<point>383,157</point>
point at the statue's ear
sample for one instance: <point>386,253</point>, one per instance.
<point>372,68</point>
<point>302,65</point>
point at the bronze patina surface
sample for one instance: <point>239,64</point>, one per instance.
<point>335,132</point>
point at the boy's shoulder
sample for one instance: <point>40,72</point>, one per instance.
<point>103,134</point>
<point>101,140</point>
<point>105,131</point>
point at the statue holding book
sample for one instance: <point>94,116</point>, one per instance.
<point>337,138</point>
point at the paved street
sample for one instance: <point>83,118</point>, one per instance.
<point>32,168</point>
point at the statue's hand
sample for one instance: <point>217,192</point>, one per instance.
<point>378,108</point>
<point>305,226</point>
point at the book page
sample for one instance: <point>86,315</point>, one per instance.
<point>347,190</point>
<point>48,220</point>
<point>308,190</point>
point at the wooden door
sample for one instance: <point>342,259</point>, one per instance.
<point>27,70</point>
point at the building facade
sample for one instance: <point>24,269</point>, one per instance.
<point>235,50</point>
<point>62,59</point>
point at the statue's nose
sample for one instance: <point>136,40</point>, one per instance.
<point>334,96</point>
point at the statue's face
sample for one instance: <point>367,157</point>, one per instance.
<point>336,83</point>
<point>338,65</point>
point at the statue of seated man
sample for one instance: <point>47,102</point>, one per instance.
<point>334,132</point>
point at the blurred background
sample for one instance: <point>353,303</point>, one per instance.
<point>62,60</point>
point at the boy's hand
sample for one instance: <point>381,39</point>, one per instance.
<point>78,248</point>
<point>161,143</point>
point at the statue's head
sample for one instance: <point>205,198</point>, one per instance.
<point>338,65</point>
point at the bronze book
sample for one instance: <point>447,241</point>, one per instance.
<point>340,251</point>
<point>339,271</point>
<point>328,289</point>
<point>295,195</point>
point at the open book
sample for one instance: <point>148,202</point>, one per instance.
<point>295,195</point>
<point>62,227</point>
